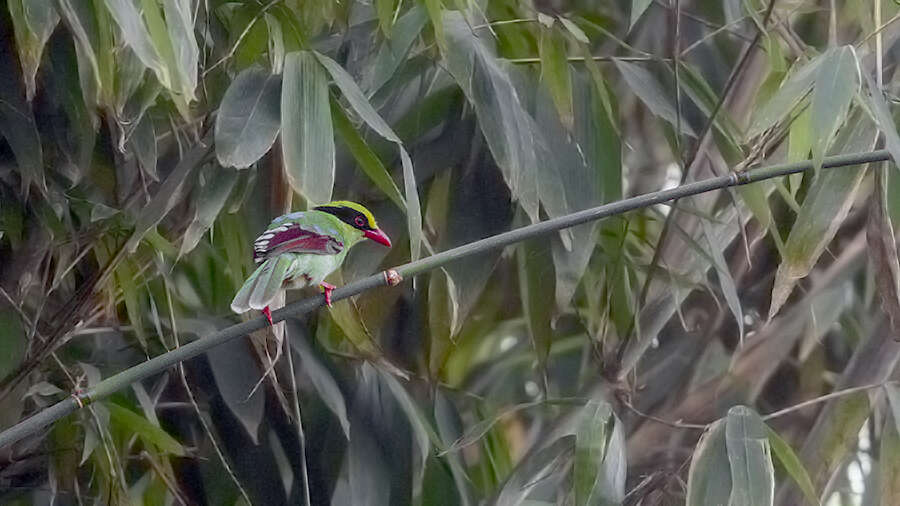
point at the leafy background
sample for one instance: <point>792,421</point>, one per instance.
<point>735,347</point>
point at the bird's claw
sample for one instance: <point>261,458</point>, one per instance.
<point>327,288</point>
<point>268,314</point>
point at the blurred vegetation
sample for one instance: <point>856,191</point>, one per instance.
<point>633,361</point>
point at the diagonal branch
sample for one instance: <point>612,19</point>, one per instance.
<point>393,276</point>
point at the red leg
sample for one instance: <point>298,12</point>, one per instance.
<point>268,314</point>
<point>327,288</point>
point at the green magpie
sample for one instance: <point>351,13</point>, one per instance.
<point>300,249</point>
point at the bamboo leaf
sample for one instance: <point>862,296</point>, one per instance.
<point>651,93</point>
<point>125,276</point>
<point>33,23</point>
<point>637,10</point>
<point>555,73</point>
<point>364,108</point>
<point>592,443</point>
<point>318,373</point>
<point>889,464</point>
<point>883,248</point>
<point>236,373</point>
<point>213,194</point>
<point>143,142</point>
<point>18,126</point>
<point>168,194</point>
<point>792,90</point>
<point>307,133</point>
<point>148,432</point>
<point>249,118</point>
<point>180,25</point>
<point>13,342</point>
<point>509,130</point>
<point>824,209</point>
<point>135,33</point>
<point>752,473</point>
<point>836,83</point>
<point>393,52</point>
<point>385,11</point>
<point>536,277</point>
<point>367,159</point>
<point>726,282</point>
<point>792,464</point>
<point>883,118</point>
<point>534,469</point>
<point>435,13</point>
<point>709,478</point>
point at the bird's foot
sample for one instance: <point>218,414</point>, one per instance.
<point>327,288</point>
<point>268,314</point>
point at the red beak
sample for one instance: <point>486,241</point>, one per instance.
<point>378,236</point>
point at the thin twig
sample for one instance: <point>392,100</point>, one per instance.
<point>678,424</point>
<point>596,58</point>
<point>162,362</point>
<point>823,398</point>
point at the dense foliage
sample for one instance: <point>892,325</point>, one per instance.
<point>145,143</point>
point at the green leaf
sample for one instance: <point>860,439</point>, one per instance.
<point>393,52</point>
<point>169,193</point>
<point>555,73</point>
<point>385,11</point>
<point>435,13</point>
<point>142,427</point>
<point>33,23</point>
<point>249,118</point>
<point>12,341</point>
<point>889,464</point>
<point>364,108</point>
<point>509,130</point>
<point>726,282</point>
<point>637,10</point>
<point>159,35</point>
<point>449,426</point>
<point>709,477</point>
<point>892,391</point>
<point>883,118</point>
<point>236,373</point>
<point>125,276</point>
<point>18,126</point>
<point>823,211</point>
<point>592,439</point>
<point>314,367</point>
<point>80,19</point>
<point>792,90</point>
<point>364,155</point>
<point>882,248</point>
<point>533,470</point>
<point>792,464</point>
<point>143,142</point>
<point>135,34</point>
<point>836,83</point>
<point>536,279</point>
<point>180,26</point>
<point>307,133</point>
<point>651,93</point>
<point>213,194</point>
<point>752,473</point>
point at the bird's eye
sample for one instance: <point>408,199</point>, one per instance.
<point>360,221</point>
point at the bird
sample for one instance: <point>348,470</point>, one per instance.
<point>300,249</point>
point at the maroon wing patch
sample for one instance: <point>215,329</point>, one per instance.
<point>291,238</point>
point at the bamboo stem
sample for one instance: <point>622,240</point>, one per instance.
<point>162,362</point>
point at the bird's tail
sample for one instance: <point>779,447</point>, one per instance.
<point>263,285</point>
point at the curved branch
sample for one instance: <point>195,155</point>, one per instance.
<point>393,276</point>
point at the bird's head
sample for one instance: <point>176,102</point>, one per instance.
<point>357,217</point>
